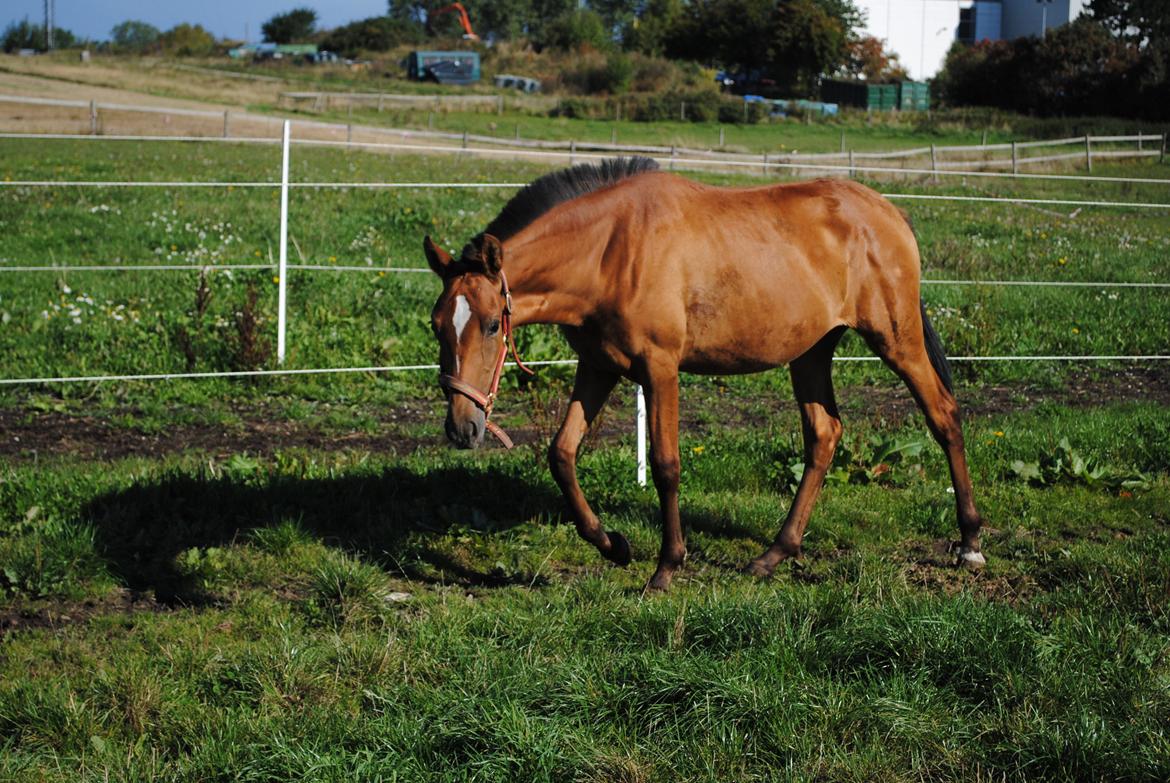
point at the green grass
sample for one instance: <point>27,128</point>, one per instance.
<point>353,616</point>
<point>330,613</point>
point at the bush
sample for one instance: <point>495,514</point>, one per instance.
<point>1078,69</point>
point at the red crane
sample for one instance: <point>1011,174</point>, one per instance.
<point>464,20</point>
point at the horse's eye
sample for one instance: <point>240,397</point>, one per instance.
<point>493,327</point>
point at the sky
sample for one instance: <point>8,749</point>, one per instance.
<point>224,18</point>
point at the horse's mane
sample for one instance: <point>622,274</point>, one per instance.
<point>543,194</point>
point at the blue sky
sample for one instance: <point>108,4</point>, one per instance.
<point>224,18</point>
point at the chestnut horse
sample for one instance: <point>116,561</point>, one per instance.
<point>649,275</point>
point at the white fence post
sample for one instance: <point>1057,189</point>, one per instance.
<point>282,269</point>
<point>641,417</point>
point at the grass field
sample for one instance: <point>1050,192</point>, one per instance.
<point>293,578</point>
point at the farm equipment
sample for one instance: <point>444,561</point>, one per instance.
<point>464,19</point>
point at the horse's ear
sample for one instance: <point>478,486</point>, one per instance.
<point>492,253</point>
<point>437,257</point>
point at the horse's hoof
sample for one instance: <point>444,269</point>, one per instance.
<point>619,549</point>
<point>970,558</point>
<point>759,569</point>
<point>659,583</point>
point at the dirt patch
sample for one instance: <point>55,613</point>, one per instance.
<point>27,435</point>
<point>57,614</point>
<point>931,566</point>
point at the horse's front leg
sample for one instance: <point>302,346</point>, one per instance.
<point>662,410</point>
<point>590,391</point>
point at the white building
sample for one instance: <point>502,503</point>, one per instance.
<point>922,31</point>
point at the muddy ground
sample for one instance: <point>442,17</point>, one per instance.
<point>28,435</point>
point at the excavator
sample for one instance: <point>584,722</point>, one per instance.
<point>464,20</point>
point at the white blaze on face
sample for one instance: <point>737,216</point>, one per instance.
<point>462,316</point>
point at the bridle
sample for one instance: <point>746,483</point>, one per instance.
<point>485,402</point>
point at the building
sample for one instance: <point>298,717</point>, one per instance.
<point>922,31</point>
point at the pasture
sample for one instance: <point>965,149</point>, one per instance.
<point>293,577</point>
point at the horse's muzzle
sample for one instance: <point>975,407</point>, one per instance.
<point>466,433</point>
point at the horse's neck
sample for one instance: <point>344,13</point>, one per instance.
<point>553,272</point>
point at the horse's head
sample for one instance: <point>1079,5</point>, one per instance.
<point>470,321</point>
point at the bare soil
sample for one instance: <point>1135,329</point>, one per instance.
<point>28,435</point>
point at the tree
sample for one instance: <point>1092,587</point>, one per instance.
<point>1137,21</point>
<point>376,34</point>
<point>294,26</point>
<point>134,36</point>
<point>650,31</point>
<point>577,29</point>
<point>187,40</point>
<point>22,35</point>
<point>866,58</point>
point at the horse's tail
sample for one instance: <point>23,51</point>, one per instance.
<point>934,349</point>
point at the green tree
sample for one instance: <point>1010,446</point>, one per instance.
<point>295,26</point>
<point>1138,21</point>
<point>576,29</point>
<point>376,34</point>
<point>22,35</point>
<point>187,40</point>
<point>653,27</point>
<point>134,36</point>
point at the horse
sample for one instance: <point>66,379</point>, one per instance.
<point>650,274</point>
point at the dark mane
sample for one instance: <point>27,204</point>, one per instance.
<point>560,186</point>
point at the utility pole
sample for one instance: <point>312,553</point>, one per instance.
<point>48,24</point>
<point>1044,17</point>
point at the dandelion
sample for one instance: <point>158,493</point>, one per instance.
<point>1062,261</point>
<point>174,248</point>
<point>333,259</point>
<point>1076,330</point>
<point>697,449</point>
<point>999,433</point>
<point>276,278</point>
<point>256,253</point>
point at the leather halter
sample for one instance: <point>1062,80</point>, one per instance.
<point>485,402</point>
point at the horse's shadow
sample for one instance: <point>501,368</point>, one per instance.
<point>388,517</point>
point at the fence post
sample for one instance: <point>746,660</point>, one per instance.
<point>517,131</point>
<point>1162,155</point>
<point>852,172</point>
<point>641,426</point>
<point>933,165</point>
<point>572,151</point>
<point>613,135</point>
<point>842,141</point>
<point>682,111</point>
<point>282,269</point>
<point>464,139</point>
<point>765,164</point>
<point>430,120</point>
<point>672,157</point>
<point>984,142</point>
<point>381,98</point>
<point>349,134</point>
<point>720,135</point>
<point>1015,160</point>
<point>93,118</point>
<point>1139,135</point>
<point>1088,154</point>
<point>226,125</point>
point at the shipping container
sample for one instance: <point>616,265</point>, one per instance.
<point>444,67</point>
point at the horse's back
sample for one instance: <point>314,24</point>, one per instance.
<point>750,278</point>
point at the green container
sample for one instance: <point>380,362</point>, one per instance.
<point>913,96</point>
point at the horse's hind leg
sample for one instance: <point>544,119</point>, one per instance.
<point>905,351</point>
<point>590,391</point>
<point>812,382</point>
